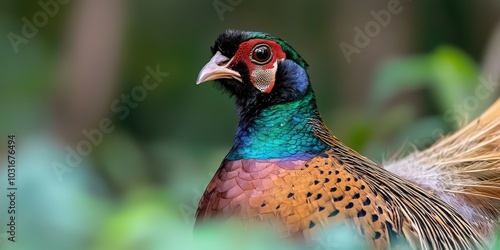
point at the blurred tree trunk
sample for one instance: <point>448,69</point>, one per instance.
<point>89,67</point>
<point>491,61</point>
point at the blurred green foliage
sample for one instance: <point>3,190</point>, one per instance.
<point>447,74</point>
<point>139,188</point>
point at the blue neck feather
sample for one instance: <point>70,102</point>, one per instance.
<point>280,131</point>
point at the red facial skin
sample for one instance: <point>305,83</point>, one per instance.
<point>244,55</point>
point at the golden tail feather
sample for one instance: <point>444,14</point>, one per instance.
<point>463,169</point>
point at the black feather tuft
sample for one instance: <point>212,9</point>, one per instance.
<point>228,42</point>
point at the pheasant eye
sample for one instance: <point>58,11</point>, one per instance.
<point>261,54</point>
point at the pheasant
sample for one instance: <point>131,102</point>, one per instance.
<point>286,168</point>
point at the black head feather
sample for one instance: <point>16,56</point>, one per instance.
<point>292,81</point>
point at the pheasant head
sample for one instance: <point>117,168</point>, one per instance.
<point>256,68</point>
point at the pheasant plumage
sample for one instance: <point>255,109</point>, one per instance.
<point>286,167</point>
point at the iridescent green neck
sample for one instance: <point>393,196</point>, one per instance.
<point>279,131</point>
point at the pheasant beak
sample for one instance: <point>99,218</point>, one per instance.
<point>217,68</point>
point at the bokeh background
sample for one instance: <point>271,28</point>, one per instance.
<point>65,67</point>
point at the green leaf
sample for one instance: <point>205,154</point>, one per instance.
<point>455,76</point>
<point>398,75</point>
